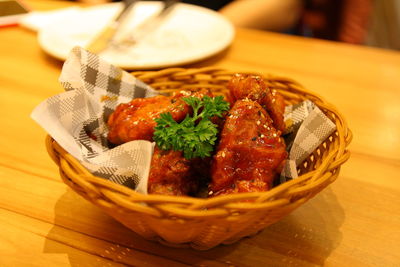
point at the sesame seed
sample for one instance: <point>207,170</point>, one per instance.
<point>185,92</point>
<point>258,122</point>
<point>274,134</point>
<point>262,136</point>
<point>223,154</point>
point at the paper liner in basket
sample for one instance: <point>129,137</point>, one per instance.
<point>76,119</point>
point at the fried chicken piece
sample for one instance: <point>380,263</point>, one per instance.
<point>171,174</point>
<point>253,87</point>
<point>135,120</point>
<point>250,153</point>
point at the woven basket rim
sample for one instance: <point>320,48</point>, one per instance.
<point>99,187</point>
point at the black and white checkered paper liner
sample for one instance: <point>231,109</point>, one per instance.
<point>76,119</point>
<point>308,128</point>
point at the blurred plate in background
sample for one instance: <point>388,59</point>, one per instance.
<point>188,34</point>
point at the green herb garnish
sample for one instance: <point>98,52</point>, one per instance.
<point>195,135</point>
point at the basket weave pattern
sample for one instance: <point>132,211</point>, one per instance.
<point>205,223</point>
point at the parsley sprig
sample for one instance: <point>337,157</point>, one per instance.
<point>196,134</point>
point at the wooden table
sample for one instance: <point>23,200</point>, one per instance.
<point>353,222</point>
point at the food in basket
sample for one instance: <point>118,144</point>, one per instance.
<point>247,157</point>
<point>196,135</point>
<point>135,120</point>
<point>172,174</point>
<point>254,88</point>
<point>250,153</point>
<point>181,160</point>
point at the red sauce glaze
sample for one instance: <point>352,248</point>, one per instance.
<point>171,174</point>
<point>250,153</point>
<point>253,87</point>
<point>135,120</point>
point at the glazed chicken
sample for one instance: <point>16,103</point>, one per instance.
<point>135,120</point>
<point>253,87</point>
<point>250,153</point>
<point>172,174</point>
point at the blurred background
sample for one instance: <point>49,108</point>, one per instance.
<point>362,22</point>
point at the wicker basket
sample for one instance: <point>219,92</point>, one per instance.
<point>205,223</point>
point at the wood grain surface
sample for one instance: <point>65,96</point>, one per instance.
<point>353,222</point>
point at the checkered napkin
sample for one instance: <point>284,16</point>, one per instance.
<point>76,119</point>
<point>307,128</point>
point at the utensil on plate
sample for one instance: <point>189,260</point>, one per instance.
<point>148,25</point>
<point>102,40</point>
<point>106,38</point>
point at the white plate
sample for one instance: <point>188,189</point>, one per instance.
<point>189,33</point>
